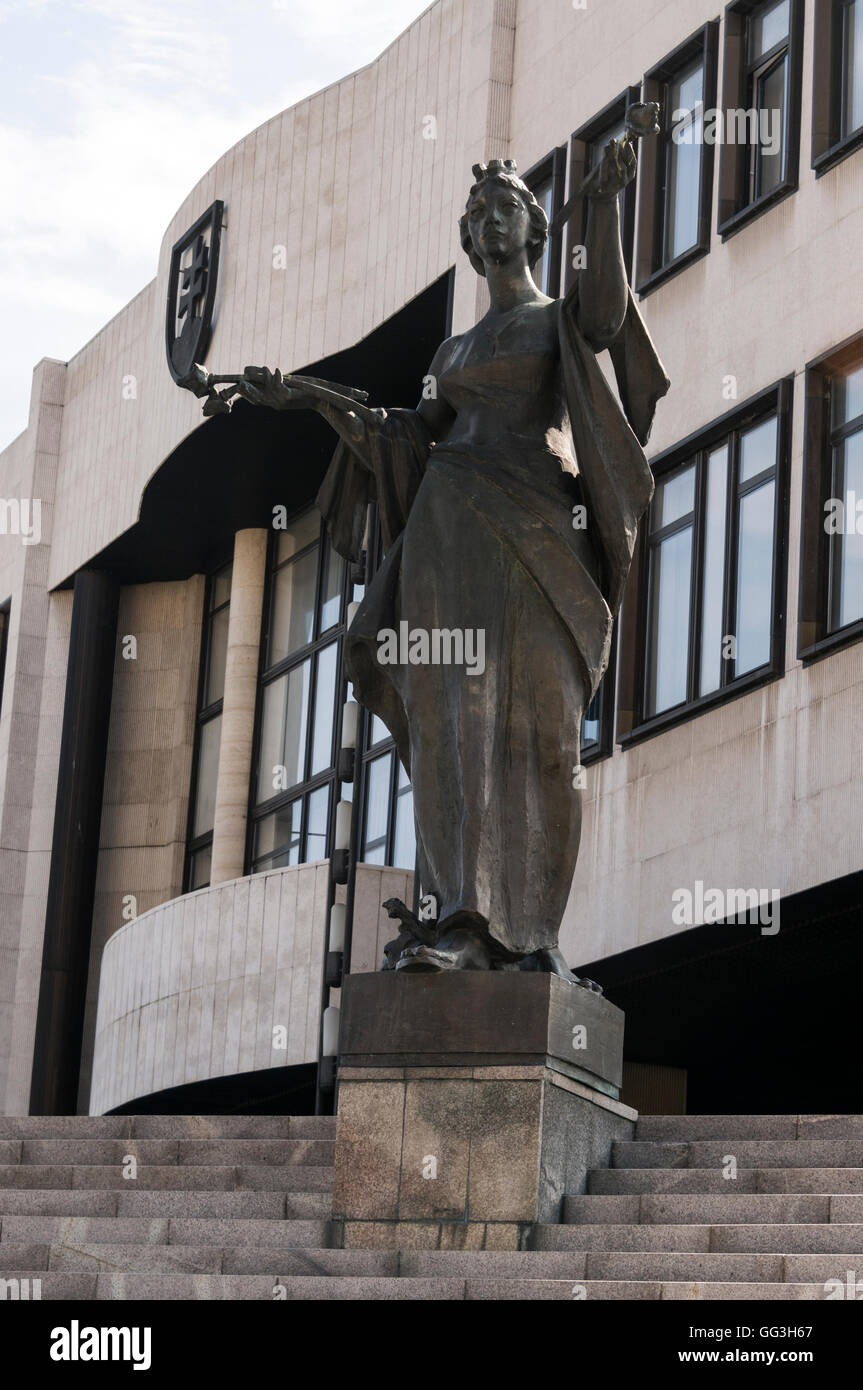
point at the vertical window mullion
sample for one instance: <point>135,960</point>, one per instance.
<point>391,809</point>
<point>697,581</point>
<point>732,513</point>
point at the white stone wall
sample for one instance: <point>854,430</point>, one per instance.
<point>142,837</point>
<point>30,724</point>
<point>194,989</point>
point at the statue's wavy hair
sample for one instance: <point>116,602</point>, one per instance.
<point>505,171</point>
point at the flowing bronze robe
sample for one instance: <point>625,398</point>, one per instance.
<point>483,538</point>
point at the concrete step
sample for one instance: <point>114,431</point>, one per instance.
<point>316,1152</point>
<point>425,1264</point>
<point>208,1177</point>
<point>728,1208</point>
<point>688,1128</point>
<point>74,1287</point>
<point>749,1153</point>
<point>168,1127</point>
<point>163,1230</point>
<point>628,1181</point>
<point>209,1259</point>
<point>807,1238</point>
<point>35,1202</point>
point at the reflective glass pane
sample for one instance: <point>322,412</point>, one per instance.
<point>758,449</point>
<point>293,607</point>
<point>217,656</point>
<point>684,163</point>
<point>405,845</point>
<point>284,721</point>
<point>754,579</point>
<point>331,589</point>
<point>770,151</point>
<point>220,590</point>
<point>378,731</point>
<point>590,723</point>
<point>713,592</point>
<point>848,548</point>
<point>669,646</point>
<point>205,783</point>
<point>277,837</point>
<point>300,533</point>
<point>847,392</point>
<point>673,499</point>
<point>377,809</point>
<point>199,870</point>
<point>768,27</point>
<point>316,827</point>
<point>852,48</point>
<point>325,700</point>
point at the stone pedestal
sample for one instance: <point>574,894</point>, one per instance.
<point>469,1105</point>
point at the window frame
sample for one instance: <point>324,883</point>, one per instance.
<point>633,724</point>
<point>369,753</point>
<point>204,714</point>
<point>579,143</point>
<point>735,160</point>
<point>551,167</point>
<point>299,791</point>
<point>5,620</point>
<point>650,270</point>
<point>814,636</point>
<point>829,145</point>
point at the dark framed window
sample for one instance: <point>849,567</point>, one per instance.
<point>704,618</point>
<point>208,730</point>
<point>387,831</point>
<point>546,182</point>
<point>300,698</point>
<point>837,82</point>
<point>5,609</point>
<point>763,69</point>
<point>831,570</point>
<point>388,835</point>
<point>585,151</point>
<point>676,182</point>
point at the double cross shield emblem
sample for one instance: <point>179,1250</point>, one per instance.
<point>192,280</point>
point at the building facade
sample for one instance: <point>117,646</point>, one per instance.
<point>197,822</point>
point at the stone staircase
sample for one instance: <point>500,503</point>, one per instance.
<point>233,1207</point>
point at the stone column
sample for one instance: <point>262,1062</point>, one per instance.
<point>238,708</point>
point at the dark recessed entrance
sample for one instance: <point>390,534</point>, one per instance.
<point>761,1024</point>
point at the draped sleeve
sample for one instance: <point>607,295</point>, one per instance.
<point>395,452</point>
<point>614,472</point>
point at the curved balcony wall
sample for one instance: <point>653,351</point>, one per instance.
<point>196,988</point>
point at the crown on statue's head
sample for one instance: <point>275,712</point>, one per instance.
<point>494,169</point>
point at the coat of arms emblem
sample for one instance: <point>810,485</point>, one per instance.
<point>192,280</point>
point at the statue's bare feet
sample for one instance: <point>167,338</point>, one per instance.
<point>551,962</point>
<point>457,949</point>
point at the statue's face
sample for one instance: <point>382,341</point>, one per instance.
<point>499,224</point>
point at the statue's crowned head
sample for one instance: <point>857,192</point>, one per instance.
<point>504,172</point>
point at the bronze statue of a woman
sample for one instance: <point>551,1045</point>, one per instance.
<point>481,492</point>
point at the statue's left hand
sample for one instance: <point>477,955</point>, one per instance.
<point>614,171</point>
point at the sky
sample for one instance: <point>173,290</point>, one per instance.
<point>110,112</point>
